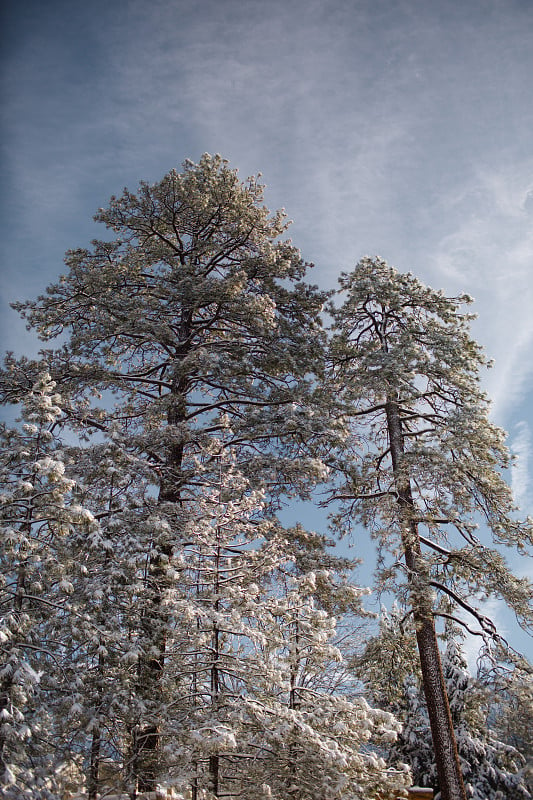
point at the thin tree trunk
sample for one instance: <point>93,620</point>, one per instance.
<point>294,703</point>
<point>446,755</point>
<point>94,766</point>
<point>96,744</point>
<point>7,683</point>
<point>214,759</point>
<point>194,785</point>
<point>5,697</point>
<point>214,766</point>
<point>195,782</point>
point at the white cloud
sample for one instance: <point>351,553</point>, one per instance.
<point>489,253</point>
<point>520,446</point>
<point>382,127</point>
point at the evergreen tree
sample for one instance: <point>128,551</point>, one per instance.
<point>388,661</point>
<point>492,769</point>
<point>245,715</point>
<point>509,685</point>
<point>196,311</point>
<point>407,374</point>
<point>101,663</point>
<point>38,513</point>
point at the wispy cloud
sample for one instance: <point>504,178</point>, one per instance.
<point>521,469</point>
<point>382,127</point>
<point>489,253</point>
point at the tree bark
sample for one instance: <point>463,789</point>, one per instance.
<point>7,684</point>
<point>147,739</point>
<point>94,767</point>
<point>214,759</point>
<point>446,755</point>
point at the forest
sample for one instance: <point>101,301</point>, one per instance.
<point>163,633</point>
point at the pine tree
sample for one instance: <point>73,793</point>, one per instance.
<point>407,373</point>
<point>195,312</point>
<point>509,686</point>
<point>492,768</point>
<point>326,743</point>
<point>388,660</point>
<point>249,641</point>
<point>38,512</point>
<point>102,657</point>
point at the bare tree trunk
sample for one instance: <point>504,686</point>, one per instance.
<point>442,733</point>
<point>94,767</point>
<point>294,703</point>
<point>214,759</point>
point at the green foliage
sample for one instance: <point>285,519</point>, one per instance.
<point>492,768</point>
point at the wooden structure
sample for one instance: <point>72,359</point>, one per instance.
<point>418,793</point>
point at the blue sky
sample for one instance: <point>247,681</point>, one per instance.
<point>394,127</point>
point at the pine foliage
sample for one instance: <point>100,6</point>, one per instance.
<point>184,638</point>
<point>38,512</point>
<point>398,339</point>
<point>161,628</point>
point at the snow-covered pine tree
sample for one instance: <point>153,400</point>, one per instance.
<point>249,639</point>
<point>326,742</point>
<point>302,739</point>
<point>387,661</point>
<point>492,769</point>
<point>101,661</point>
<point>510,684</point>
<point>195,311</point>
<point>245,715</point>
<point>389,669</point>
<point>38,512</point>
<point>407,375</point>
<point>215,665</point>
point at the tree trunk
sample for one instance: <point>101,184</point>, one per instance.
<point>446,756</point>
<point>5,691</point>
<point>151,669</point>
<point>294,703</point>
<point>214,758</point>
<point>7,684</point>
<point>214,765</point>
<point>94,767</point>
<point>150,673</point>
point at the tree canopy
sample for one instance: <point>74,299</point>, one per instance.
<point>161,626</point>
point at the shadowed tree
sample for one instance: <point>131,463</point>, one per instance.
<point>389,668</point>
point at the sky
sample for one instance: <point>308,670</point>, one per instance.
<point>398,128</point>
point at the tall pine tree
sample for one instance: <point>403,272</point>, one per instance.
<point>194,311</point>
<point>407,375</point>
